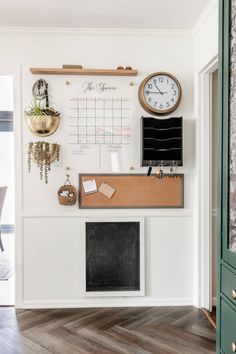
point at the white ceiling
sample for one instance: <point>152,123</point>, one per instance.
<point>155,14</point>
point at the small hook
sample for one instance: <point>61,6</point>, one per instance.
<point>161,174</point>
<point>173,167</point>
<point>67,174</point>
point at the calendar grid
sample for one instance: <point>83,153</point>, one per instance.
<point>99,120</point>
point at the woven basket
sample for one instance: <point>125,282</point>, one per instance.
<point>71,198</point>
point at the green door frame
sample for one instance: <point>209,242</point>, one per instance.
<point>225,255</point>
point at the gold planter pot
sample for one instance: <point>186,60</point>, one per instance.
<point>42,125</point>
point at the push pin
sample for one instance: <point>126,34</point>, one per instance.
<point>131,83</point>
<point>67,82</point>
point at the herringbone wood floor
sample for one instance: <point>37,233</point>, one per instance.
<point>156,330</point>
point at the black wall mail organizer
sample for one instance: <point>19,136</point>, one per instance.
<point>162,141</point>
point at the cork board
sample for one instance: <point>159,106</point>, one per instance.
<point>134,191</point>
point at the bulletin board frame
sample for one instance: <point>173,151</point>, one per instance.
<point>134,191</point>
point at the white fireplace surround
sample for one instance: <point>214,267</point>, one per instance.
<point>140,292</point>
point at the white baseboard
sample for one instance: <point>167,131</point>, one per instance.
<point>137,302</point>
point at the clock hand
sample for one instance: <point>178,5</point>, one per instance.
<point>159,90</point>
<point>153,92</point>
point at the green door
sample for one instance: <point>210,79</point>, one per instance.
<point>226,302</point>
<point>228,128</point>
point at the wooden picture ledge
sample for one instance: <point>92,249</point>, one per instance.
<point>73,71</point>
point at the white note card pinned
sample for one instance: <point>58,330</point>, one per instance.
<point>90,186</point>
<point>107,190</point>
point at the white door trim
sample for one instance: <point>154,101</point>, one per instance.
<point>204,163</point>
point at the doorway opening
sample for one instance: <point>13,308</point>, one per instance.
<point>207,133</point>
<point>211,312</point>
<point>209,182</point>
<point>214,181</point>
<point>7,239</point>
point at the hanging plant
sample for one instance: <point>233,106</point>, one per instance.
<point>42,120</point>
<point>43,153</point>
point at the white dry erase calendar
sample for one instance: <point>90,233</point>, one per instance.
<point>98,113</point>
<point>99,120</point>
<point>99,116</point>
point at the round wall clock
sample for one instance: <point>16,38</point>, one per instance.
<point>160,93</point>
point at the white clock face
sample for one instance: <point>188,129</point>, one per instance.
<point>161,92</point>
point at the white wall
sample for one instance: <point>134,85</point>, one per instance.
<point>205,36</point>
<point>48,242</point>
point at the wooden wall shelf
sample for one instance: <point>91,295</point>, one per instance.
<point>69,71</point>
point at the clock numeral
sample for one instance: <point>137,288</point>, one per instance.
<point>154,81</point>
<point>161,106</point>
<point>172,99</point>
<point>174,93</point>
<point>150,86</point>
<point>149,99</point>
<point>167,81</point>
<point>172,86</point>
<point>155,103</point>
<point>167,104</point>
<point>160,79</point>
<point>147,92</point>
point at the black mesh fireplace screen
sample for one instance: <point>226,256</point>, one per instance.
<point>112,256</point>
